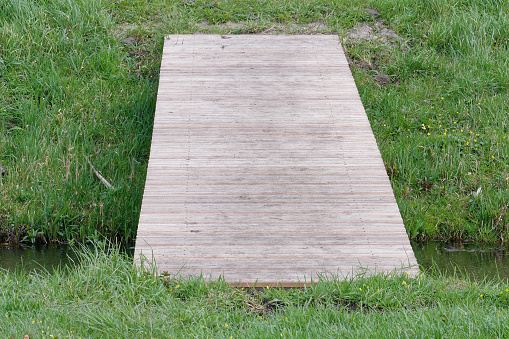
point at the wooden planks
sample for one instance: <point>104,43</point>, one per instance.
<point>263,167</point>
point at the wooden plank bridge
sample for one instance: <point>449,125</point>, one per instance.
<point>263,167</point>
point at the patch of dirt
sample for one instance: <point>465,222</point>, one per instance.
<point>377,33</point>
<point>382,79</point>
<point>244,28</point>
<point>362,32</point>
<point>128,40</point>
<point>375,13</point>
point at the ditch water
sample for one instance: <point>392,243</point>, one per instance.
<point>476,261</point>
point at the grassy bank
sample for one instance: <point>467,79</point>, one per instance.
<point>78,83</point>
<point>106,297</point>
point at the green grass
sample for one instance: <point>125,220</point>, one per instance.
<point>72,88</point>
<point>105,296</point>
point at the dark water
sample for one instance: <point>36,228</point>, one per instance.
<point>39,258</point>
<point>477,261</point>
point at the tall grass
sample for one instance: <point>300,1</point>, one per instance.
<point>443,131</point>
<point>106,296</point>
<point>78,81</point>
<point>68,94</point>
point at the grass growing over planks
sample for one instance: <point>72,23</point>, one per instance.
<point>105,296</point>
<point>78,81</point>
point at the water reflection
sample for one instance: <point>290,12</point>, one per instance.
<point>45,257</point>
<point>477,261</point>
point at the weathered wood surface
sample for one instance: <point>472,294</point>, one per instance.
<point>263,167</point>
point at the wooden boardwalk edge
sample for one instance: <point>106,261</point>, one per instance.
<point>263,168</point>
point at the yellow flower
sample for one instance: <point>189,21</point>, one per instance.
<point>442,98</point>
<point>429,134</point>
<point>225,325</point>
